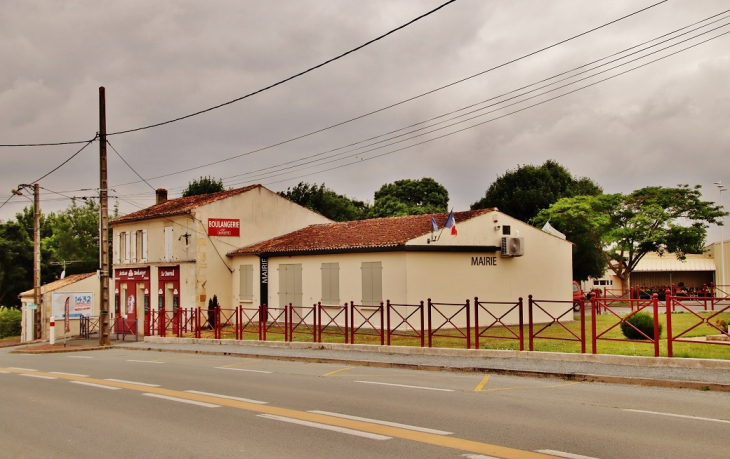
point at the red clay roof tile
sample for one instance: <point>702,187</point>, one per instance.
<point>180,205</point>
<point>373,233</point>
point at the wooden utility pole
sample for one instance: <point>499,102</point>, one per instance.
<point>37,322</point>
<point>103,226</point>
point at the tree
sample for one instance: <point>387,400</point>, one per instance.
<point>524,192</point>
<point>75,236</point>
<point>410,197</point>
<point>321,199</point>
<point>204,185</point>
<point>624,228</point>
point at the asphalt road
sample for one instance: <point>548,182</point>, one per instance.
<point>124,403</point>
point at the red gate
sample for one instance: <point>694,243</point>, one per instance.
<point>712,321</point>
<point>497,320</point>
<point>449,313</point>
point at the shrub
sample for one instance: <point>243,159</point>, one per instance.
<point>10,320</point>
<point>642,321</point>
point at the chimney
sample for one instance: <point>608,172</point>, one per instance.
<point>161,195</point>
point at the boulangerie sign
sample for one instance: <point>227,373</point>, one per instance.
<point>224,227</point>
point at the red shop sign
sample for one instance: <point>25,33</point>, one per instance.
<point>132,274</point>
<point>224,227</point>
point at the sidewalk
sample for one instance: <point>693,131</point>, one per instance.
<point>699,374</point>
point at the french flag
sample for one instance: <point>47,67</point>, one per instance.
<point>451,223</point>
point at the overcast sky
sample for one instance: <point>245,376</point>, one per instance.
<point>663,124</point>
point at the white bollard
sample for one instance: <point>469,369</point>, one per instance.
<point>53,330</point>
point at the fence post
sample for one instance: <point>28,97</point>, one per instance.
<point>655,306</point>
<point>387,312</point>
<point>522,323</point>
<point>476,322</point>
<point>382,324</point>
<point>163,322</point>
<point>668,302</point>
<point>422,329</point>
<point>583,326</point>
<point>529,318</point>
<point>594,313</point>
<point>319,321</point>
<point>264,318</point>
<point>468,325</point>
<point>429,323</point>
<point>346,332</point>
<point>286,321</point>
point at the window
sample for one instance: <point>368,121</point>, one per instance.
<point>330,283</point>
<point>372,283</point>
<point>127,247</point>
<point>168,243</point>
<point>246,287</point>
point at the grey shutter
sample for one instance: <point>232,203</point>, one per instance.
<point>297,285</point>
<point>326,284</point>
<point>372,283</point>
<point>246,282</point>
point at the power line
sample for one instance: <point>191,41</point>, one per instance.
<point>299,160</point>
<point>386,107</point>
<point>63,163</point>
<point>291,77</point>
<point>53,144</point>
<point>129,166</point>
<point>507,114</point>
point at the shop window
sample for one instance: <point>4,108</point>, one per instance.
<point>330,283</point>
<point>372,283</point>
<point>246,283</point>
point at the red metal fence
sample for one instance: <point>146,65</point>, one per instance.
<point>447,324</point>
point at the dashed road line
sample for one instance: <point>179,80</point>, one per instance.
<point>695,418</point>
<point>532,387</point>
<point>69,374</point>
<point>243,369</point>
<point>182,400</point>
<point>78,357</point>
<point>21,369</point>
<point>405,386</point>
<point>37,376</point>
<point>565,455</point>
<point>317,425</point>
<point>100,386</point>
<point>144,361</point>
<point>228,397</point>
<point>383,423</point>
<point>481,385</point>
<point>337,371</point>
<point>133,382</point>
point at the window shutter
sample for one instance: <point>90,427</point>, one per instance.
<point>367,284</point>
<point>326,284</point>
<point>377,271</point>
<point>127,244</point>
<point>116,248</point>
<point>144,246</point>
<point>133,247</point>
<point>168,243</point>
<point>246,281</point>
<point>298,285</point>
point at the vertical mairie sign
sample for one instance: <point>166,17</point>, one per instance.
<point>264,285</point>
<point>230,227</point>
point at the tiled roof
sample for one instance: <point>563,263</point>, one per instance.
<point>358,234</point>
<point>55,285</point>
<point>180,205</point>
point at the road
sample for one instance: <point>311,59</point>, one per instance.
<point>124,403</point>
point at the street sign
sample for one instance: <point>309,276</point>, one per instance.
<point>31,306</point>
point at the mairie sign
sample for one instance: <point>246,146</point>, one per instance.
<point>224,227</point>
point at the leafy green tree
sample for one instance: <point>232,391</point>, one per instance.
<point>410,197</point>
<point>524,192</point>
<point>627,227</point>
<point>204,185</point>
<point>76,237</point>
<point>321,199</point>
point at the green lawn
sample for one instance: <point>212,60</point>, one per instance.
<point>452,339</point>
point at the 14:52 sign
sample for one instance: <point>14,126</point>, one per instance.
<point>224,227</point>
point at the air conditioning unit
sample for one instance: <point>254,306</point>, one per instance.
<point>513,246</point>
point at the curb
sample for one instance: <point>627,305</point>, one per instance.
<point>30,350</point>
<point>645,382</point>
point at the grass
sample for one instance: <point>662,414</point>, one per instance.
<point>559,343</point>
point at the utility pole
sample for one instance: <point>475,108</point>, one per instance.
<point>37,323</point>
<point>103,226</point>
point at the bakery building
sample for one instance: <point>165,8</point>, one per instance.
<point>173,254</point>
<point>492,256</point>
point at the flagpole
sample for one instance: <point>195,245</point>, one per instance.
<point>442,228</point>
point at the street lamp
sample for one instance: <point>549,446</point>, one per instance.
<point>722,188</point>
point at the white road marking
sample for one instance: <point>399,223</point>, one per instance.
<point>182,400</point>
<point>565,455</point>
<point>23,369</point>
<point>243,369</point>
<point>5,372</point>
<point>325,427</point>
<point>145,361</point>
<point>69,374</point>
<point>100,386</point>
<point>37,376</point>
<point>383,423</point>
<point>133,382</point>
<point>403,385</point>
<point>79,357</point>
<point>696,418</point>
<point>228,397</point>
<point>478,456</point>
